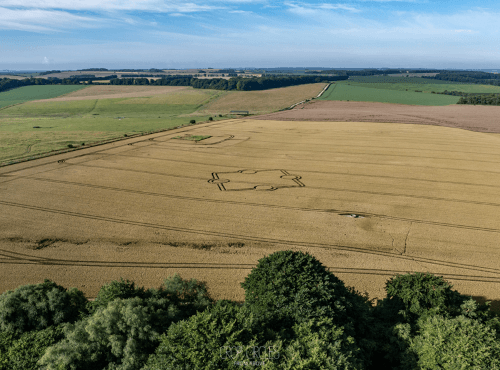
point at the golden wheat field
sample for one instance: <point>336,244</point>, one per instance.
<point>369,200</point>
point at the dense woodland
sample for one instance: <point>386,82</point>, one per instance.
<point>474,98</point>
<point>475,77</point>
<point>372,71</point>
<point>8,84</point>
<point>296,315</point>
<point>480,99</point>
<point>235,83</point>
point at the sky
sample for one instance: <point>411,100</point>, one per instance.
<point>77,34</point>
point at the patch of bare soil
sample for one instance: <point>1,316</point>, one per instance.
<point>118,91</point>
<point>478,118</point>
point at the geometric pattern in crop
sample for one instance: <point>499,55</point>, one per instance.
<point>268,180</point>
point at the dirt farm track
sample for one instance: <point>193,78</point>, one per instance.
<point>368,199</point>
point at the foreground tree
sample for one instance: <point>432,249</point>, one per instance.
<point>23,352</point>
<point>288,288</point>
<point>411,299</point>
<point>39,306</point>
<point>450,343</point>
<point>227,336</point>
<point>122,332</point>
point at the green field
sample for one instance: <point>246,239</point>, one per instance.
<point>397,80</point>
<point>27,93</point>
<point>353,92</point>
<point>33,128</point>
<point>421,84</point>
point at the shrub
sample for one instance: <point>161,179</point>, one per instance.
<point>39,306</point>
<point>71,146</point>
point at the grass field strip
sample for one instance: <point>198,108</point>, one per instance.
<point>360,92</point>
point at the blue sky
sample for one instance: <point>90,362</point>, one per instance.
<point>72,34</point>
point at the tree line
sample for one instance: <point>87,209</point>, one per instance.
<point>296,315</point>
<point>87,77</point>
<point>480,99</point>
<point>8,84</point>
<point>474,98</point>
<point>235,83</point>
<point>474,77</point>
<point>372,71</point>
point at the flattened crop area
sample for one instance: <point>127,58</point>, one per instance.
<point>370,200</point>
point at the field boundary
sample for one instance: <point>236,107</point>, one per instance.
<point>91,145</point>
<point>322,91</point>
<point>307,100</point>
<point>13,105</point>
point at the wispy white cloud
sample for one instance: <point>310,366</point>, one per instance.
<point>165,6</point>
<point>302,8</point>
<point>39,20</point>
<point>112,5</point>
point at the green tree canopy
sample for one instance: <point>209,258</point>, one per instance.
<point>452,343</point>
<point>38,306</point>
<point>125,325</point>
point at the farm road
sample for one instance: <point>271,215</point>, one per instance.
<point>368,199</point>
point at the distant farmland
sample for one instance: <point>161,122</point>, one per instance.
<point>264,101</point>
<point>91,116</point>
<point>345,91</point>
<point>421,84</point>
<point>28,93</point>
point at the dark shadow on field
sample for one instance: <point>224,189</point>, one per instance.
<point>495,303</point>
